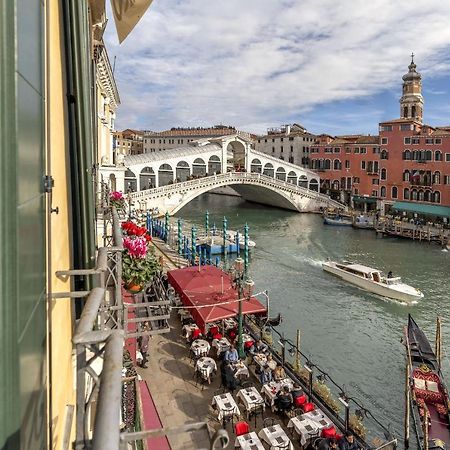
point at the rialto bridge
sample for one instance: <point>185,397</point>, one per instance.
<point>170,179</point>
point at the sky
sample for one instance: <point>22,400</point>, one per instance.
<point>333,66</point>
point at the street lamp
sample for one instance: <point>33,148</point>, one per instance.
<point>244,287</point>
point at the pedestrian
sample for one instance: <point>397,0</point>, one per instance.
<point>143,346</point>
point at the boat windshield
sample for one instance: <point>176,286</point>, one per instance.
<point>393,280</point>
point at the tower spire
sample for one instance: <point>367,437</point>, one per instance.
<point>411,103</point>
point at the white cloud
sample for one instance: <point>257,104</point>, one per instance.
<point>260,62</point>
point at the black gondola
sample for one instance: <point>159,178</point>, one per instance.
<point>429,399</point>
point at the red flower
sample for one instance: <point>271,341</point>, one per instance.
<point>148,238</point>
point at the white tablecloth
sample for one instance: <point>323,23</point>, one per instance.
<point>200,347</point>
<point>222,345</point>
<point>249,441</point>
<point>275,436</point>
<point>225,402</point>
<point>304,427</point>
<point>251,398</point>
<point>241,370</point>
<point>206,365</point>
<point>247,338</point>
<point>319,418</point>
<point>271,389</point>
<point>229,324</point>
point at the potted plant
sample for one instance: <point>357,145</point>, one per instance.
<point>139,263</point>
<point>117,199</point>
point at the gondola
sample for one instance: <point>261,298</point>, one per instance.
<point>428,396</point>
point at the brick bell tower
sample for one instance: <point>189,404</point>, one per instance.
<point>411,103</point>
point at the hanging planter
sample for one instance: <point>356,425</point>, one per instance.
<point>133,288</point>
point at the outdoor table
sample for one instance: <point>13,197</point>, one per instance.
<point>184,315</point>
<point>260,359</point>
<point>251,399</point>
<point>276,437</point>
<point>304,427</point>
<point>229,324</point>
<point>222,345</point>
<point>188,329</point>
<point>247,338</point>
<point>225,403</point>
<point>206,366</point>
<point>200,347</point>
<point>271,389</point>
<point>241,370</point>
<point>319,418</point>
<point>249,441</point>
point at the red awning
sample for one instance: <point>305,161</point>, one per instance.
<point>205,289</point>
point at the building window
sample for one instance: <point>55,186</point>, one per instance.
<point>328,150</point>
<point>394,192</point>
<point>447,179</point>
<point>281,149</point>
<point>383,175</point>
<point>428,141</point>
<point>438,155</point>
<point>292,148</point>
<point>374,193</point>
<point>291,138</point>
<point>438,141</point>
<point>363,150</point>
<point>356,150</point>
<point>273,149</point>
<point>337,164</point>
<point>386,128</point>
<point>384,154</point>
<point>337,149</point>
<point>415,140</point>
<point>437,178</point>
<point>406,194</point>
<point>375,150</point>
<point>407,155</point>
<point>383,191</point>
<point>384,140</point>
<point>363,165</point>
<point>405,127</point>
<point>375,181</point>
<point>355,179</point>
<point>348,150</point>
<point>447,157</point>
<point>282,139</point>
<point>347,164</point>
<point>406,175</point>
<point>407,140</point>
<point>437,197</point>
<point>273,140</point>
<point>265,140</point>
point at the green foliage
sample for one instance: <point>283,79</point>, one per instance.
<point>139,270</point>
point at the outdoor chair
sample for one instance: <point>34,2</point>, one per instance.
<point>227,416</point>
<point>269,422</point>
<point>241,428</point>
<point>257,410</point>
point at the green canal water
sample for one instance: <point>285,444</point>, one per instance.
<point>351,334</point>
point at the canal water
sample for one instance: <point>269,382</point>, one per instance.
<point>352,334</point>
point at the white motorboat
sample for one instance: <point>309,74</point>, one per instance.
<point>232,235</point>
<point>373,281</point>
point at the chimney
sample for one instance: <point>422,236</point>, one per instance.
<point>288,129</point>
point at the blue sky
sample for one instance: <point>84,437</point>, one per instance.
<point>334,67</point>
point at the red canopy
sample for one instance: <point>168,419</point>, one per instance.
<point>207,287</point>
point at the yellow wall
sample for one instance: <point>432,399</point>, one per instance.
<point>63,392</point>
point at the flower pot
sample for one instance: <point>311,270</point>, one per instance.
<point>133,288</point>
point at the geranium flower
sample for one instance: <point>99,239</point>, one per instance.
<point>137,247</point>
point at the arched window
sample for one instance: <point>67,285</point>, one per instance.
<point>337,164</point>
<point>428,196</point>
<point>281,174</point>
<point>406,175</point>
<point>438,155</point>
<point>268,170</point>
<point>165,174</point>
<point>407,155</point>
<point>394,192</point>
<point>415,155</point>
<point>437,178</point>
<point>292,177</point>
<point>199,167</point>
<point>214,165</point>
<point>413,111</point>
<point>130,181</point>
<point>437,197</point>
<point>405,111</point>
<point>428,155</point>
<point>327,164</point>
<point>256,166</point>
<point>183,171</point>
<point>314,185</point>
<point>383,191</point>
<point>413,194</point>
<point>421,196</point>
<point>406,194</point>
<point>335,185</point>
<point>147,179</point>
<point>303,181</point>
<point>383,174</point>
<point>384,154</point>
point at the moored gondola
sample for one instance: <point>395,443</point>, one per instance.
<point>426,394</point>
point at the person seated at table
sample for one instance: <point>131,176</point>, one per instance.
<point>327,444</point>
<point>270,362</point>
<point>231,355</point>
<point>279,373</point>
<point>283,399</point>
<point>347,442</point>
<point>266,375</point>
<point>297,391</point>
<point>258,347</point>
